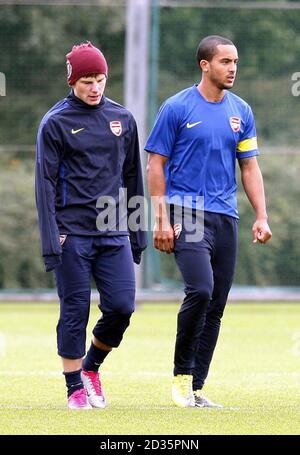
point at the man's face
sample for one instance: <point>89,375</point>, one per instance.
<point>90,88</point>
<point>221,70</point>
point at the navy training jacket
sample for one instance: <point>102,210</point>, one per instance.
<point>84,152</point>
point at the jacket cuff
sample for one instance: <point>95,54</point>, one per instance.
<point>137,256</point>
<point>51,261</point>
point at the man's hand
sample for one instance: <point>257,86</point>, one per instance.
<point>62,239</point>
<point>163,237</point>
<point>261,231</point>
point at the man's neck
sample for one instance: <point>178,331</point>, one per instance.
<point>210,92</point>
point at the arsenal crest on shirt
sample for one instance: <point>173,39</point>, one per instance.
<point>116,127</point>
<point>235,123</point>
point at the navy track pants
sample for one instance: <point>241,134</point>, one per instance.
<point>207,267</point>
<point>109,261</point>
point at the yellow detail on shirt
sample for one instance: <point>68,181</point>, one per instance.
<point>247,145</point>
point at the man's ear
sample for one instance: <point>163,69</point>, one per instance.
<point>203,64</point>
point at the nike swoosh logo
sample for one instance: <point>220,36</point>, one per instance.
<point>191,125</point>
<point>76,131</point>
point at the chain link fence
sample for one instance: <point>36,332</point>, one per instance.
<point>34,38</point>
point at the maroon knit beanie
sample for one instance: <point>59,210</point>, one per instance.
<point>85,59</point>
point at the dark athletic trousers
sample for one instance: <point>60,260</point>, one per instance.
<point>109,261</point>
<point>207,267</point>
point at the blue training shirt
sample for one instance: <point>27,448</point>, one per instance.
<point>202,140</point>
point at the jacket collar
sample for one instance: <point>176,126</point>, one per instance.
<point>79,104</point>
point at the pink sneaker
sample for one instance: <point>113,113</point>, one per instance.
<point>79,400</point>
<point>93,387</point>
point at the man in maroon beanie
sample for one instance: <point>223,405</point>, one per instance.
<point>87,159</point>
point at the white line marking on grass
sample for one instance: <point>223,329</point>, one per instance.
<point>34,408</point>
<point>57,373</point>
<point>230,408</point>
<point>30,373</point>
<point>296,344</point>
<point>148,375</point>
<point>139,407</point>
<point>2,345</point>
<point>14,406</point>
<point>153,374</point>
<point>260,375</point>
<point>277,373</point>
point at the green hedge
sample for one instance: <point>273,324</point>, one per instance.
<point>276,263</point>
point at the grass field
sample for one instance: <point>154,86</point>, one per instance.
<point>255,374</point>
